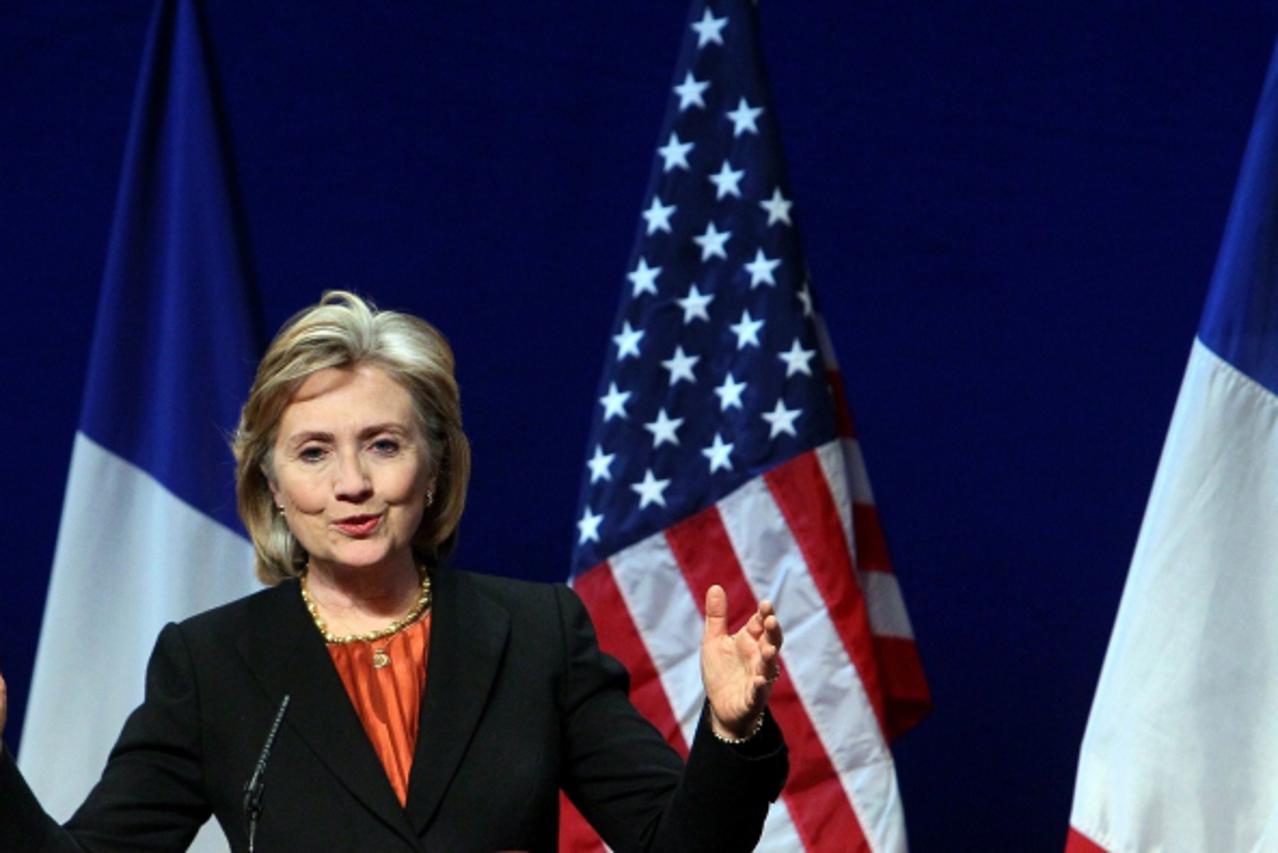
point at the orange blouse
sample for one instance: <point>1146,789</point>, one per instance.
<point>388,699</point>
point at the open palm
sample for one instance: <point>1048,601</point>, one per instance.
<point>738,669</point>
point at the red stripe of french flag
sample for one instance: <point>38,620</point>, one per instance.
<point>1077,842</point>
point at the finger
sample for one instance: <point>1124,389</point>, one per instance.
<point>716,612</point>
<point>758,622</point>
<point>768,649</point>
<point>772,628</point>
<point>768,658</point>
<point>769,661</point>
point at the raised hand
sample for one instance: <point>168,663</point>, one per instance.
<point>738,669</point>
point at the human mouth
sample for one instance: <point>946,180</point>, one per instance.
<point>358,525</point>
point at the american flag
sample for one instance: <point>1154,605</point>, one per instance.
<point>722,451</point>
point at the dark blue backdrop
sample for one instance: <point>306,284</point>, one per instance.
<point>1011,213</point>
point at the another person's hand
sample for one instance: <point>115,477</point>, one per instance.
<point>738,669</point>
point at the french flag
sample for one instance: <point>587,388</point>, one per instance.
<point>149,532</point>
<point>1181,749</point>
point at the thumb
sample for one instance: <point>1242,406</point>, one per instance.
<point>716,612</point>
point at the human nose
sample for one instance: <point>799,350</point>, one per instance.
<point>352,482</point>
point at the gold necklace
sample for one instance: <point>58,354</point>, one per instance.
<point>380,657</point>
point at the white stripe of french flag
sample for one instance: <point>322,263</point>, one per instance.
<point>1181,746</point>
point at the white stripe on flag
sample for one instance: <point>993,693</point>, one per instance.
<point>656,593</point>
<point>853,470</point>
<point>668,620</point>
<point>833,466</point>
<point>824,678</point>
<point>883,600</point>
<point>779,834</point>
<point>885,606</point>
<point>130,557</point>
<point>1181,749</point>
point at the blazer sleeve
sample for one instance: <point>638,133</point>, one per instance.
<point>631,786</point>
<point>151,795</point>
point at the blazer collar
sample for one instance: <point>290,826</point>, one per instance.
<point>469,632</point>
<point>288,657</point>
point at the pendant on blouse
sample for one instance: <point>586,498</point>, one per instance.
<point>380,658</point>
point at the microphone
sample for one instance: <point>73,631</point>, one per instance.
<point>256,784</point>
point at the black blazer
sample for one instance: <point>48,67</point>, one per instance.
<point>519,702</point>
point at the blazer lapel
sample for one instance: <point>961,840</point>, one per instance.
<point>288,656</point>
<point>468,639</point>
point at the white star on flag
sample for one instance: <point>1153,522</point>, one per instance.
<point>712,242</point>
<point>717,453</point>
<point>644,278</point>
<point>805,298</point>
<point>727,181</point>
<point>743,118</point>
<point>754,436</point>
<point>650,490</point>
<point>781,419</point>
<point>627,341</point>
<point>675,153</point>
<point>747,330</point>
<point>778,208</point>
<point>796,359</point>
<point>761,268</point>
<point>614,402</point>
<point>658,216</point>
<point>588,527</point>
<point>663,429</point>
<point>600,464</point>
<point>709,29</point>
<point>729,393</point>
<point>694,305</point>
<point>690,91</point>
<point>680,366</point>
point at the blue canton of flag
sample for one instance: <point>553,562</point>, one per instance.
<point>715,372</point>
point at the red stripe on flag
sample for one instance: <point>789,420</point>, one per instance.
<point>842,412</point>
<point>1077,842</point>
<point>908,698</point>
<point>867,533</point>
<point>813,794</point>
<point>801,492</point>
<point>620,637</point>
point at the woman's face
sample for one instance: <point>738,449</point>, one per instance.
<point>351,468</point>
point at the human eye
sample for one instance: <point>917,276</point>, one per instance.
<point>386,446</point>
<point>311,453</point>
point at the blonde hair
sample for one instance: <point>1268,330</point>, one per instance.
<point>343,330</point>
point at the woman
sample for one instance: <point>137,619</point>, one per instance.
<point>422,708</point>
